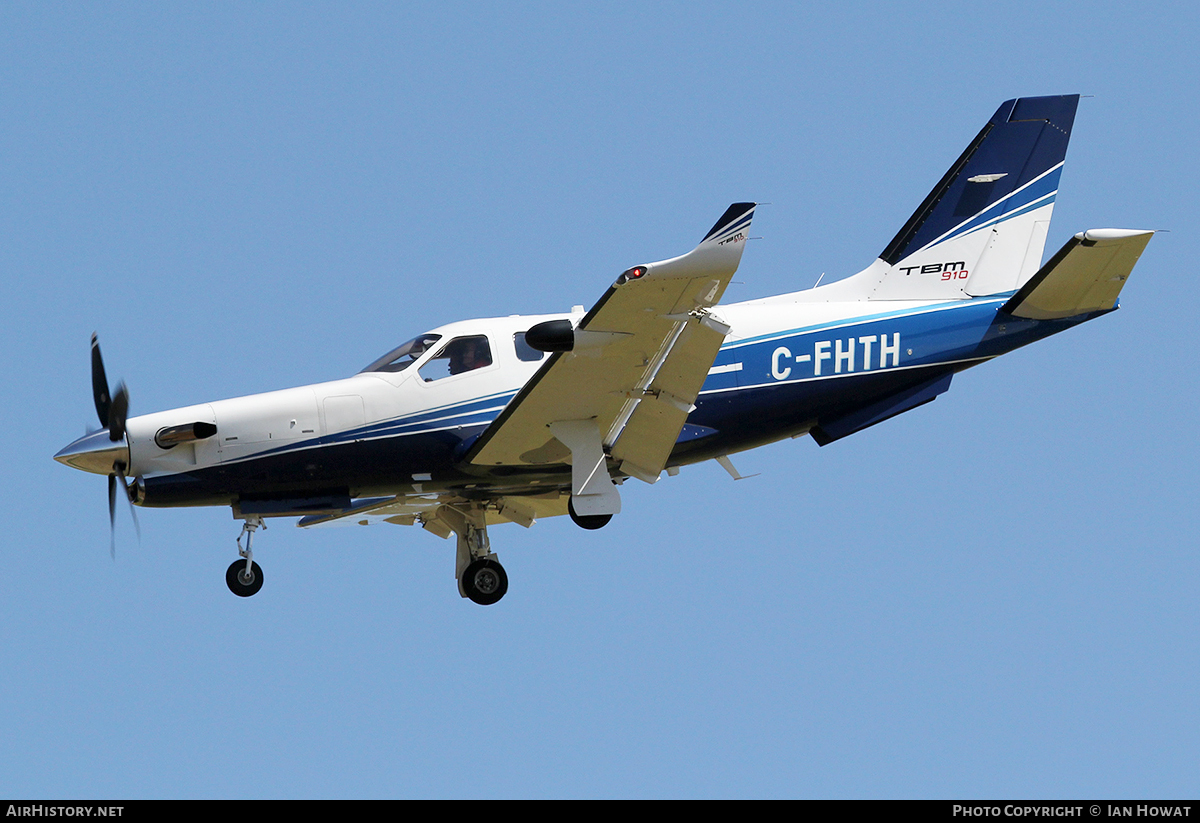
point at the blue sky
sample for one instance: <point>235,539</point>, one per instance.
<point>991,596</point>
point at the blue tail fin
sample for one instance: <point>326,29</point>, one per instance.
<point>1025,139</point>
<point>982,229</point>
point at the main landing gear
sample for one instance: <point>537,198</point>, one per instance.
<point>245,577</point>
<point>480,576</point>
<point>591,522</point>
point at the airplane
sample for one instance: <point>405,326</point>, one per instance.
<point>514,419</point>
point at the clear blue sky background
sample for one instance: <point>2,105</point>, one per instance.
<point>994,595</point>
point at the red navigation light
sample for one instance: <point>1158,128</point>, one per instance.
<point>632,274</point>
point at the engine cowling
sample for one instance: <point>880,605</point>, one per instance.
<point>551,336</point>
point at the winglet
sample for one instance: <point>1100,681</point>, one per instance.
<point>736,218</point>
<point>717,255</point>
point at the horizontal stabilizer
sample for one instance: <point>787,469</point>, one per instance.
<point>1086,275</point>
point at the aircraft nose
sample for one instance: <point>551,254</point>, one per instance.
<point>94,453</point>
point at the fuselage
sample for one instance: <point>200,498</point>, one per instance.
<point>791,364</point>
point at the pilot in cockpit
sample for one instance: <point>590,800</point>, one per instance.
<point>469,353</point>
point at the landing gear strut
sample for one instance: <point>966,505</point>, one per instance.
<point>245,577</point>
<point>480,575</point>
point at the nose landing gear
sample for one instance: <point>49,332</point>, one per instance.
<point>245,577</point>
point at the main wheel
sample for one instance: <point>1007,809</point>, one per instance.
<point>591,522</point>
<point>241,583</point>
<point>484,581</point>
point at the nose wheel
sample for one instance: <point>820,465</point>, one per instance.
<point>243,582</point>
<point>245,577</point>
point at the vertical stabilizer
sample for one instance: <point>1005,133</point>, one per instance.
<point>982,229</point>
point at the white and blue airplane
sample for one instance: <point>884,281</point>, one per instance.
<point>517,418</point>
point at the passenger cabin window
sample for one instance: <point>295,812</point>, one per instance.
<point>525,351</point>
<point>460,355</point>
<point>401,358</point>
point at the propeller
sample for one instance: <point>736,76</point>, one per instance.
<point>112,409</point>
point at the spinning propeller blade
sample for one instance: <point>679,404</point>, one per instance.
<point>112,515</point>
<point>99,383</point>
<point>112,409</point>
<point>117,412</point>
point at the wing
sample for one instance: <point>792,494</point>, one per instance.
<point>621,384</point>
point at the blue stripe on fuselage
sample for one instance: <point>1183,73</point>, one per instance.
<point>777,392</point>
<point>474,412</point>
<point>953,334</point>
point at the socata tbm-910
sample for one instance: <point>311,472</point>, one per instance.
<point>511,419</point>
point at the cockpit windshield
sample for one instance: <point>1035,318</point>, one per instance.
<point>401,358</point>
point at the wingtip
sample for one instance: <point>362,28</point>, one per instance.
<point>736,217</point>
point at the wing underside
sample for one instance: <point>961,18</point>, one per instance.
<point>425,510</point>
<point>636,363</point>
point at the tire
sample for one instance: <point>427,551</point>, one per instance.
<point>485,581</point>
<point>591,522</point>
<point>234,578</point>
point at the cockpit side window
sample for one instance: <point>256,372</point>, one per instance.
<point>525,351</point>
<point>460,355</point>
<point>401,358</point>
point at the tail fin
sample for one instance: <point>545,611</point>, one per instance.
<point>982,229</point>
